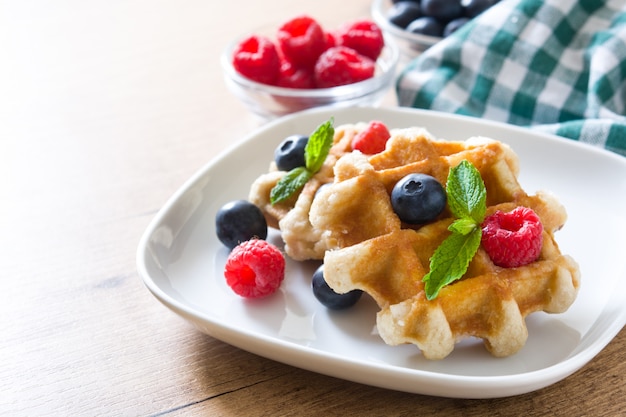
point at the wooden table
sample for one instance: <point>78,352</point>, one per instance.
<point>106,108</point>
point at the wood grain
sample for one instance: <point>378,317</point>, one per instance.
<point>106,108</point>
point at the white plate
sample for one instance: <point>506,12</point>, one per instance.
<point>181,262</point>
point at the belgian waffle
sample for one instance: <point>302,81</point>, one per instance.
<point>291,216</point>
<point>351,223</point>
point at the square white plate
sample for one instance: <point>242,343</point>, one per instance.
<point>181,262</point>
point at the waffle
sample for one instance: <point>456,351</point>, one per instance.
<point>291,217</point>
<point>489,302</point>
<point>351,225</point>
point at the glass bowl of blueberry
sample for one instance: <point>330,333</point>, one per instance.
<point>300,64</point>
<point>417,25</point>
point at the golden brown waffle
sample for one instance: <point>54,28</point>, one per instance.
<point>302,240</point>
<point>489,302</point>
<point>352,225</point>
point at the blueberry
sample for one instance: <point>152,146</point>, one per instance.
<point>330,298</point>
<point>290,153</point>
<point>404,12</point>
<point>442,10</point>
<point>475,7</point>
<point>418,198</point>
<point>426,26</point>
<point>454,25</point>
<point>238,221</point>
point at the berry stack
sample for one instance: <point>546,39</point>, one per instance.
<point>300,64</point>
<point>417,25</point>
<point>439,18</point>
<point>304,55</point>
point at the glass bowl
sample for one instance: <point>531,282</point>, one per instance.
<point>410,44</point>
<point>270,101</point>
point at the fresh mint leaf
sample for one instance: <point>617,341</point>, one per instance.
<point>450,261</point>
<point>463,226</point>
<point>467,200</point>
<point>289,184</point>
<point>315,153</point>
<point>318,146</point>
<point>466,192</point>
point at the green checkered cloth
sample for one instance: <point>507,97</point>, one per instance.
<point>558,66</point>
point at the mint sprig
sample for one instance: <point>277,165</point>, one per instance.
<point>467,198</point>
<point>315,153</point>
<point>466,192</point>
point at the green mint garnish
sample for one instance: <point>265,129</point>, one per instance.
<point>467,200</point>
<point>463,226</point>
<point>318,146</point>
<point>315,154</point>
<point>466,192</point>
<point>289,184</point>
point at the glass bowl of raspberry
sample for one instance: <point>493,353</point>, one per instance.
<point>299,64</point>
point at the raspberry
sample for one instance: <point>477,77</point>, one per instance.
<point>372,139</point>
<point>256,58</point>
<point>332,39</point>
<point>255,268</point>
<point>364,36</point>
<point>512,239</point>
<point>301,40</point>
<point>291,76</point>
<point>341,65</point>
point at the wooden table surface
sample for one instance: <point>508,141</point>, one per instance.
<point>106,108</point>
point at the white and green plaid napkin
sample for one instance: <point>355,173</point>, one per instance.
<point>558,66</point>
